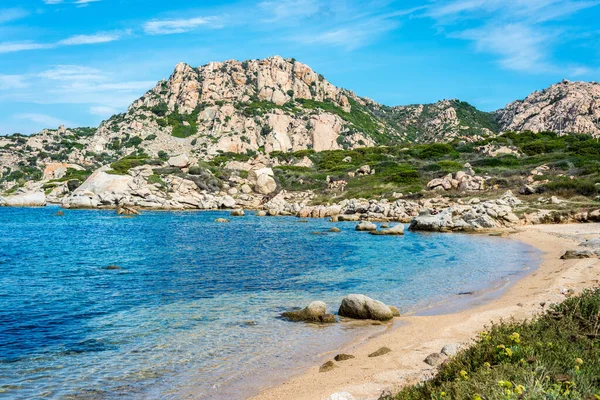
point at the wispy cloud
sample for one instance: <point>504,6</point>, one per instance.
<point>103,111</point>
<point>12,14</point>
<point>77,40</point>
<point>516,31</point>
<point>12,82</point>
<point>103,37</point>
<point>77,3</point>
<point>518,46</point>
<point>10,47</point>
<point>43,119</point>
<point>172,26</point>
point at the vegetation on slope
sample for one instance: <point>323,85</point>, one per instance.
<point>408,168</point>
<point>554,356</point>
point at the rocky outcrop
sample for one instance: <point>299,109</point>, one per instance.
<point>475,217</point>
<point>461,181</point>
<point>31,199</point>
<point>358,306</point>
<point>563,107</point>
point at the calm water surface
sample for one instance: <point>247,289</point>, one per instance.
<point>193,311</point>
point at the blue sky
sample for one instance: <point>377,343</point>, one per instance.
<point>76,62</point>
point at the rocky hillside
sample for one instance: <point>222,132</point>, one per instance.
<point>266,105</point>
<point>563,107</point>
<point>443,121</point>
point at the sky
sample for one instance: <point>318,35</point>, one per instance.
<point>77,62</point>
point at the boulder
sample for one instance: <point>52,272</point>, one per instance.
<point>221,220</point>
<point>314,312</point>
<point>335,229</point>
<point>237,213</point>
<point>265,184</point>
<point>180,161</point>
<point>366,226</point>
<point>450,349</point>
<point>253,174</point>
<point>395,230</point>
<point>379,352</point>
<point>328,366</point>
<point>126,210</point>
<point>343,357</point>
<point>395,311</point>
<point>435,359</point>
<point>358,306</point>
<point>32,199</point>
<point>577,254</point>
<point>261,213</point>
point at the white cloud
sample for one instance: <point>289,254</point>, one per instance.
<point>284,10</point>
<point>519,47</point>
<point>72,73</point>
<point>53,2</point>
<point>42,119</point>
<point>516,31</point>
<point>12,82</point>
<point>102,37</point>
<point>103,111</point>
<point>348,37</point>
<point>12,14</point>
<point>8,47</point>
<point>171,26</point>
<point>78,3</point>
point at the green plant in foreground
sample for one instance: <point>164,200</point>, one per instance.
<point>554,356</point>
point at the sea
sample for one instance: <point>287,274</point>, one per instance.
<point>171,305</point>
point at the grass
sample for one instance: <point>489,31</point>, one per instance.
<point>554,356</point>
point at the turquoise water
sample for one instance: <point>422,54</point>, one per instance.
<point>193,311</point>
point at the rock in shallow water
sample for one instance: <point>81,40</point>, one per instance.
<point>221,220</point>
<point>314,312</point>
<point>366,226</point>
<point>395,230</point>
<point>358,306</point>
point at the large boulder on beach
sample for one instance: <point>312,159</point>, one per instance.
<point>366,226</point>
<point>31,199</point>
<point>314,312</point>
<point>358,306</point>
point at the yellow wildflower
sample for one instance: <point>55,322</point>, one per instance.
<point>464,375</point>
<point>505,384</point>
<point>477,397</point>
<point>519,389</point>
<point>508,352</point>
<point>515,337</point>
<point>578,361</point>
<point>487,364</point>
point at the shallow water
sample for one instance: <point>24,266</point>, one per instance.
<point>193,311</point>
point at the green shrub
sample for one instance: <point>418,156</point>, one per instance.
<point>122,166</point>
<point>555,356</point>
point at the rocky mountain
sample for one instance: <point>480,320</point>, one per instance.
<point>563,107</point>
<point>443,121</point>
<point>255,107</point>
<point>266,105</point>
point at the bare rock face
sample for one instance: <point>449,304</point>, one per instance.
<point>273,104</point>
<point>32,199</point>
<point>563,107</point>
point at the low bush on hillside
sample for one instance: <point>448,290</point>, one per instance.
<point>554,356</point>
<point>122,166</point>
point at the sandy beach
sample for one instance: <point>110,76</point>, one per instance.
<point>413,337</point>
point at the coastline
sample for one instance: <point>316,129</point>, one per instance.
<point>415,336</point>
